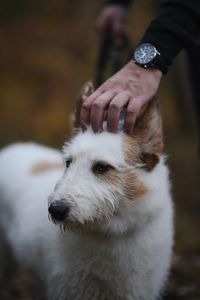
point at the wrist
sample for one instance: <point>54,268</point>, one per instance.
<point>139,71</point>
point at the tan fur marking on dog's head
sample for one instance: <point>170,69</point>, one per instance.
<point>127,181</point>
<point>133,155</point>
<point>143,148</point>
<point>148,128</point>
<point>113,177</point>
<point>44,166</point>
<point>149,160</point>
<point>133,187</point>
<point>131,150</point>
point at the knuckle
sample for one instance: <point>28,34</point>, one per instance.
<point>132,111</point>
<point>114,106</point>
<point>96,105</point>
<point>129,95</point>
<point>99,101</point>
<point>134,108</point>
<point>85,105</point>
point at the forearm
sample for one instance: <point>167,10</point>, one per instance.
<point>175,27</point>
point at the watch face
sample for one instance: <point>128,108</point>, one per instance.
<point>145,53</point>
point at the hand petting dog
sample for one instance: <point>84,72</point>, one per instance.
<point>128,89</point>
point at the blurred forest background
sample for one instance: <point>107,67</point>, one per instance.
<point>48,50</point>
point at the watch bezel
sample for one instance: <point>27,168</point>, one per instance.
<point>149,62</point>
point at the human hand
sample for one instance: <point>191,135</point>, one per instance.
<point>113,17</point>
<point>130,88</point>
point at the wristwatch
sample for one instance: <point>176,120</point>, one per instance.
<point>147,56</point>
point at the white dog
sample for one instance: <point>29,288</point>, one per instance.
<point>112,201</point>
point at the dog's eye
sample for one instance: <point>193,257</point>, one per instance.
<point>101,168</point>
<point>68,162</point>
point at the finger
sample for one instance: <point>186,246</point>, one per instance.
<point>86,107</point>
<point>132,111</point>
<point>102,24</point>
<point>119,29</point>
<point>98,108</point>
<point>115,108</point>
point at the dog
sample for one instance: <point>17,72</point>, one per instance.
<point>111,202</point>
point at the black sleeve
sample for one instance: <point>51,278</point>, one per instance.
<point>176,26</point>
<point>121,2</point>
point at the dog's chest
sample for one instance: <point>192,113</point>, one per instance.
<point>95,274</point>
<point>95,281</point>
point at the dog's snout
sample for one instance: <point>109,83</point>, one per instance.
<point>58,210</point>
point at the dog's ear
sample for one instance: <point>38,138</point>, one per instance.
<point>148,133</point>
<point>85,92</point>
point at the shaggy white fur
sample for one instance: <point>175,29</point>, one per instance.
<point>113,204</point>
<point>114,247</point>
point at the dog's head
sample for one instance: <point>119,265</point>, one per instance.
<point>108,176</point>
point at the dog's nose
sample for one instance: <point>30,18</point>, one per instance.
<point>58,210</point>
